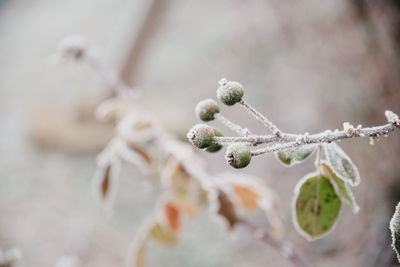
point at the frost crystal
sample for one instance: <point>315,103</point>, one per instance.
<point>349,129</point>
<point>392,117</point>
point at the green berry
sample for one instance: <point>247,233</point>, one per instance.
<point>229,92</point>
<point>201,135</point>
<point>206,109</point>
<point>238,155</point>
<point>214,147</point>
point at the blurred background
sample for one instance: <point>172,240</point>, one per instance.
<point>308,65</point>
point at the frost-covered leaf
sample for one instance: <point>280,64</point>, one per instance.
<point>343,187</point>
<point>172,215</point>
<point>395,230</point>
<point>316,206</point>
<point>226,209</point>
<point>292,156</point>
<point>188,191</point>
<point>249,194</point>
<point>163,234</point>
<point>176,178</point>
<point>248,198</point>
<point>341,164</point>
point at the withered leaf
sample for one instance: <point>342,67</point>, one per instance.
<point>226,209</point>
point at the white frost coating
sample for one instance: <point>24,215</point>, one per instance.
<point>341,164</point>
<point>229,91</point>
<point>352,202</point>
<point>392,117</point>
<point>294,213</point>
<point>394,227</point>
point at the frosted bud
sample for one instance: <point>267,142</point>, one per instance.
<point>206,109</point>
<point>201,135</point>
<point>238,155</point>
<point>229,92</point>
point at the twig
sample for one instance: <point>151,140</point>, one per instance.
<point>261,118</point>
<point>284,248</point>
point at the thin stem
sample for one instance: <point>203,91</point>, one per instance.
<point>246,139</point>
<point>274,148</point>
<point>267,123</point>
<point>234,127</point>
<point>284,248</point>
<point>110,77</point>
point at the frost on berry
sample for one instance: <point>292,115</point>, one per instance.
<point>206,109</point>
<point>201,135</point>
<point>238,155</point>
<point>229,92</point>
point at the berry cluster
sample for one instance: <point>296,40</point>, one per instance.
<point>203,136</point>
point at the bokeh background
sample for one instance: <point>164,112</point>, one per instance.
<point>308,65</point>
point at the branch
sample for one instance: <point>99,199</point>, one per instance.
<point>294,140</point>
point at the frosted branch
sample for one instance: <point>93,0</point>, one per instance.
<point>293,140</point>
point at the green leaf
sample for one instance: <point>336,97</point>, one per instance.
<point>295,155</point>
<point>316,206</point>
<point>395,230</point>
<point>343,187</point>
<point>341,164</point>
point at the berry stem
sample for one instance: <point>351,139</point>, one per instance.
<point>234,127</point>
<point>267,123</point>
